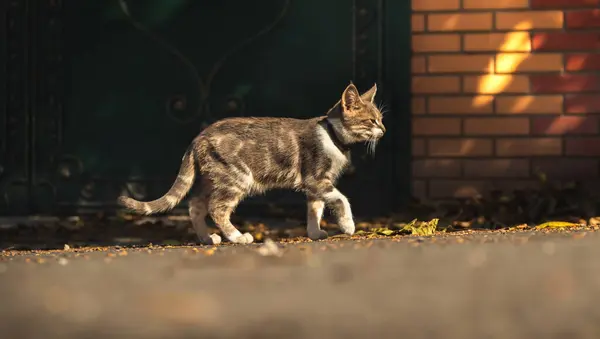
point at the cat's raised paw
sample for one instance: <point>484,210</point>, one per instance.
<point>318,235</point>
<point>245,238</point>
<point>347,226</point>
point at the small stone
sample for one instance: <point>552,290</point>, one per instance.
<point>66,247</point>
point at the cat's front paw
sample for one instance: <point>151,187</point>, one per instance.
<point>317,234</point>
<point>347,226</point>
<point>245,238</point>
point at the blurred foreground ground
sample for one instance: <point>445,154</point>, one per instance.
<point>524,284</point>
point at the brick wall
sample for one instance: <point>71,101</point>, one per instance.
<point>500,88</point>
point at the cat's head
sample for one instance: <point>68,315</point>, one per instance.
<point>360,120</point>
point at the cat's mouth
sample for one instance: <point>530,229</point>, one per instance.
<point>377,133</point>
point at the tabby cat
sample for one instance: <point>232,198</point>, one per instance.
<point>237,157</point>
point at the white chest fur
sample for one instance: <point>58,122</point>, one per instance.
<point>338,159</point>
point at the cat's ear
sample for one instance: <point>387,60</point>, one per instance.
<point>350,98</point>
<point>369,96</point>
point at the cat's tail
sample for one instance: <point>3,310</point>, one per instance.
<point>180,188</point>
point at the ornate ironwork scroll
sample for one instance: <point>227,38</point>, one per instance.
<point>177,103</point>
<point>61,181</point>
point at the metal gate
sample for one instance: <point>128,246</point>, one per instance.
<point>102,98</point>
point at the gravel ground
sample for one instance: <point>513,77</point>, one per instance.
<point>527,284</point>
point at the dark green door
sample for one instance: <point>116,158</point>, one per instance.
<point>103,97</point>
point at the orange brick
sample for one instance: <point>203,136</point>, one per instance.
<point>530,104</point>
<point>464,147</point>
<point>418,64</point>
<point>419,189</point>
<point>565,125</point>
<point>459,22</point>
<point>461,63</point>
<point>529,20</point>
<point>496,83</point>
<point>436,84</point>
<point>457,188</point>
<point>436,126</point>
<point>418,105</point>
<point>496,126</point>
<point>493,4</point>
<point>461,105</point>
<point>525,62</point>
<point>529,147</point>
<point>496,168</point>
<point>436,168</point>
<point>417,22</point>
<point>506,42</point>
<point>432,5</point>
<point>418,147</point>
<point>435,43</point>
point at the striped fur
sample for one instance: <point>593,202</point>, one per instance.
<point>183,183</point>
<point>238,157</point>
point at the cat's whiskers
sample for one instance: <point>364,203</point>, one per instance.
<point>383,109</point>
<point>372,144</point>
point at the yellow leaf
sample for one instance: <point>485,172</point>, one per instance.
<point>422,228</point>
<point>553,224</point>
<point>386,232</point>
<point>210,251</point>
<point>382,231</point>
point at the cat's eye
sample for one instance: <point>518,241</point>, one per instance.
<point>373,121</point>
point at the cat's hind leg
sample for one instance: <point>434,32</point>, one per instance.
<point>198,209</point>
<point>221,204</point>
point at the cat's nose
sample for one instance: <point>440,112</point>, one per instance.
<point>382,127</point>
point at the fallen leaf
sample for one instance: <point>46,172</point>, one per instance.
<point>210,251</point>
<point>422,228</point>
<point>382,231</point>
<point>555,224</point>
